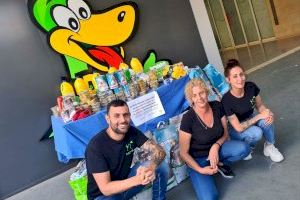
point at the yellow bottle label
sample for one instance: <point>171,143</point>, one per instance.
<point>66,89</point>
<point>123,66</point>
<point>136,65</point>
<point>80,86</point>
<point>90,81</point>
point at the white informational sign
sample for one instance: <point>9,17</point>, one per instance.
<point>145,108</point>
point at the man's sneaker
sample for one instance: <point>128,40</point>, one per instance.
<point>272,151</point>
<point>225,171</point>
<point>249,157</point>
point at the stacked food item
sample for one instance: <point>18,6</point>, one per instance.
<point>94,91</point>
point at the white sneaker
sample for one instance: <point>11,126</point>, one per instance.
<point>249,157</point>
<point>272,151</point>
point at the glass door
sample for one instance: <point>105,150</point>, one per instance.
<point>239,23</point>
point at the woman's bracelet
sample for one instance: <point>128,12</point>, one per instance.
<point>218,144</point>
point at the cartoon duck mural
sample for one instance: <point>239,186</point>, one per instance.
<point>84,37</point>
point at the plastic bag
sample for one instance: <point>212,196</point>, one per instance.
<point>198,73</point>
<point>78,181</point>
<point>217,79</point>
<point>167,136</point>
<point>79,187</point>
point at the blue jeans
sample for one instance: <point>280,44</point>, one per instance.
<point>158,188</point>
<point>204,185</point>
<point>254,133</point>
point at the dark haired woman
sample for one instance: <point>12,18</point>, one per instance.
<point>239,104</point>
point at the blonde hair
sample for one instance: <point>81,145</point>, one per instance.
<point>188,90</point>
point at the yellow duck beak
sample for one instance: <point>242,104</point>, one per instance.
<point>92,41</point>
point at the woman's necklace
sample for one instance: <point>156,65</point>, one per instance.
<point>238,94</point>
<point>202,123</point>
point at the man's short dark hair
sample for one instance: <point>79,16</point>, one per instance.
<point>115,103</point>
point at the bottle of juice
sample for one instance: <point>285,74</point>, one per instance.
<point>90,81</point>
<point>136,65</point>
<point>66,88</point>
<point>82,90</point>
<point>80,85</point>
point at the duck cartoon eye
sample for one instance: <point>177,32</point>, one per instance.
<point>121,16</point>
<point>80,8</point>
<point>66,18</point>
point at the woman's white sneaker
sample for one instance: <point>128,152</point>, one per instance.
<point>273,152</point>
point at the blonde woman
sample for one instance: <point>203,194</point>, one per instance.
<point>203,140</point>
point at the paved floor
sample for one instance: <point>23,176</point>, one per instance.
<point>257,179</point>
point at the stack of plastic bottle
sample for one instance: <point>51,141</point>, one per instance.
<point>104,93</point>
<point>67,102</point>
<point>87,94</point>
<point>118,85</point>
<point>95,91</point>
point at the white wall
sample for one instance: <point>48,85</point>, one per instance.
<point>206,34</point>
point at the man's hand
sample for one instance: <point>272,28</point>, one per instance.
<point>150,174</point>
<point>144,175</point>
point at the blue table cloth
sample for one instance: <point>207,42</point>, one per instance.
<point>71,138</point>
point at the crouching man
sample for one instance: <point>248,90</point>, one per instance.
<point>109,156</point>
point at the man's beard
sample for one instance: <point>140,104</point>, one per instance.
<point>118,131</point>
